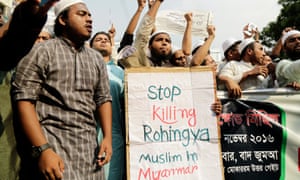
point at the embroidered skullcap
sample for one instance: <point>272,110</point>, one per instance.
<point>196,45</point>
<point>157,33</point>
<point>288,34</point>
<point>245,43</point>
<point>61,5</point>
<point>228,43</point>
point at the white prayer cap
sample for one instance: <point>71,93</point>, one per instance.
<point>61,5</point>
<point>288,34</point>
<point>197,44</point>
<point>157,33</point>
<point>228,43</point>
<point>245,43</point>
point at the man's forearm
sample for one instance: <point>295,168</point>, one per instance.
<point>30,123</point>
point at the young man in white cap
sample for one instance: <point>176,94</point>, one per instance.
<point>288,70</point>
<point>245,72</point>
<point>59,87</point>
<point>231,53</point>
<point>231,49</point>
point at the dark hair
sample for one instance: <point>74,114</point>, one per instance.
<point>101,32</point>
<point>195,50</point>
<point>230,48</point>
<point>58,28</point>
<point>173,59</point>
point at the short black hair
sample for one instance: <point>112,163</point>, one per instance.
<point>101,32</point>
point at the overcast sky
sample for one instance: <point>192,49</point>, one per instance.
<point>229,16</point>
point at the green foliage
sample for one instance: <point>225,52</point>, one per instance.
<point>289,17</point>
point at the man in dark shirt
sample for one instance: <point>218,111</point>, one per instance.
<point>18,35</point>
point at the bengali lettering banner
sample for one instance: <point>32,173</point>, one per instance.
<point>260,135</point>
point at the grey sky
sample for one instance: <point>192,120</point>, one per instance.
<point>229,16</point>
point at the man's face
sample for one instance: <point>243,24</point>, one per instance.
<point>292,46</point>
<point>267,60</point>
<point>43,36</point>
<point>1,17</point>
<point>161,45</point>
<point>79,22</point>
<point>102,44</point>
<point>179,58</point>
<point>233,53</point>
<point>258,54</point>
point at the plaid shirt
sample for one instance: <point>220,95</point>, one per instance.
<point>67,86</point>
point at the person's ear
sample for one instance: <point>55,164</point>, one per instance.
<point>62,20</point>
<point>249,51</point>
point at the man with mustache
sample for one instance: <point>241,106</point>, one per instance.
<point>59,87</point>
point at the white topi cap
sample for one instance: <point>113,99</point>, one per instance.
<point>61,5</point>
<point>245,43</point>
<point>197,44</point>
<point>288,34</point>
<point>228,43</point>
<point>157,33</point>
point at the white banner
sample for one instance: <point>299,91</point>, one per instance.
<point>174,22</point>
<point>172,132</point>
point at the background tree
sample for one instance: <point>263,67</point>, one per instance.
<point>289,17</point>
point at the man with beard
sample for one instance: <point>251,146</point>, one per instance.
<point>150,51</point>
<point>248,72</point>
<point>288,70</point>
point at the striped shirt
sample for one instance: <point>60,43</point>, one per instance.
<point>67,85</point>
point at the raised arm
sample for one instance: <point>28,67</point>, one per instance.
<point>187,36</point>
<point>146,26</point>
<point>200,54</point>
<point>276,51</point>
<point>135,18</point>
<point>21,31</point>
<point>127,38</point>
<point>154,9</point>
<point>112,34</point>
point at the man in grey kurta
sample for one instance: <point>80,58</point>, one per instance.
<point>66,83</point>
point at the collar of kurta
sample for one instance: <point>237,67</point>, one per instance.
<point>69,43</point>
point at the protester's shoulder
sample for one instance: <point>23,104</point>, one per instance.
<point>234,62</point>
<point>282,64</point>
<point>231,64</point>
<point>113,64</point>
<point>284,61</point>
